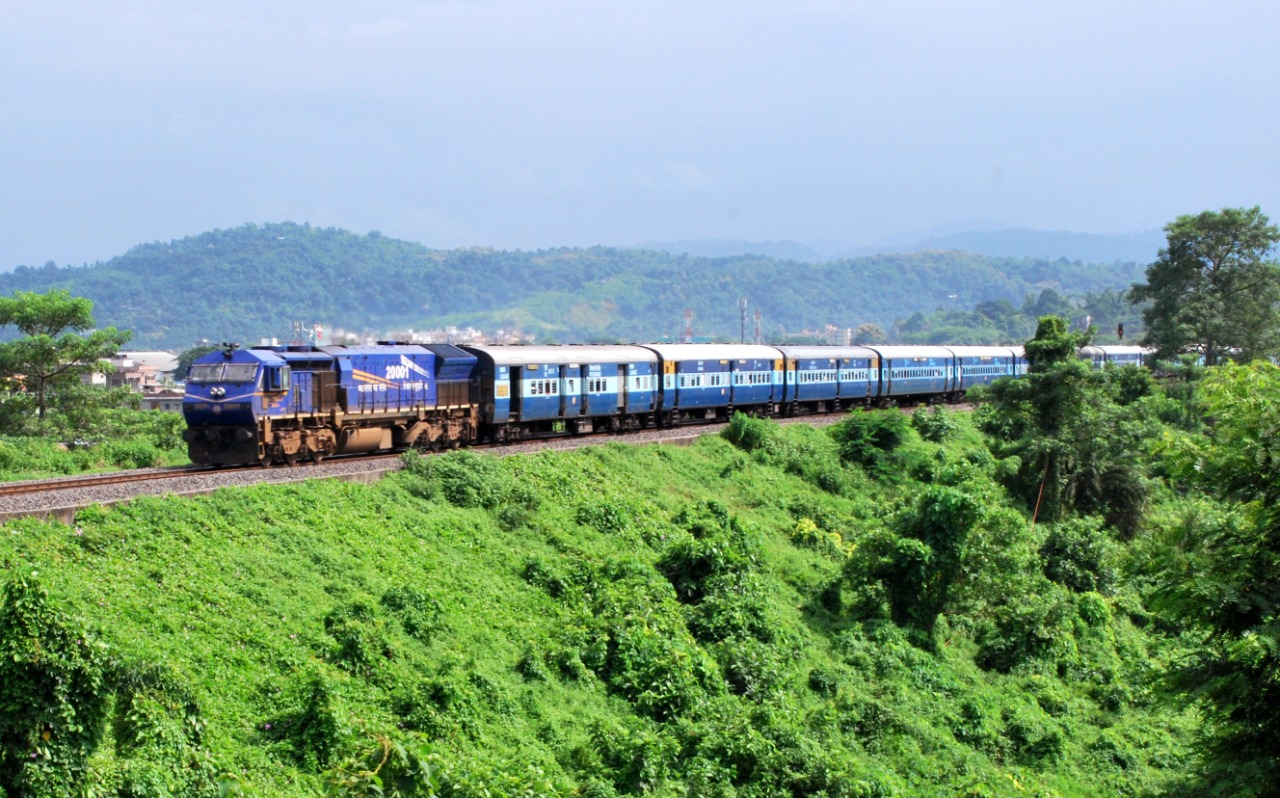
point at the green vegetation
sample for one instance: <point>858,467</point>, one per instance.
<point>53,423</point>
<point>1070,592</point>
<point>863,610</point>
<point>1075,433</point>
<point>253,281</point>
<point>1212,290</point>
<point>1001,322</point>
<point>41,372</point>
<point>118,439</point>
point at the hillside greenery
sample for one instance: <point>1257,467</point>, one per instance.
<point>254,281</point>
<point>871,609</point>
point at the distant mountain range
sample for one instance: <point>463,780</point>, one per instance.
<point>1139,248</point>
<point>257,281</point>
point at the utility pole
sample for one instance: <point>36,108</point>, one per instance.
<point>742,312</point>
<point>688,325</point>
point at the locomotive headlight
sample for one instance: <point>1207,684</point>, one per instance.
<point>217,393</point>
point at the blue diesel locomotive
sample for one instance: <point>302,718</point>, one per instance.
<point>281,404</point>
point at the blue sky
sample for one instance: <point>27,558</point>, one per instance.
<point>535,124</point>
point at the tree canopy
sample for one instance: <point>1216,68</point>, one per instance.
<point>58,349</point>
<point>1212,290</point>
<point>1073,429</point>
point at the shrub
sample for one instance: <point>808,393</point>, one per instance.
<point>1025,629</point>
<point>1093,609</point>
<point>806,533</point>
<point>360,638</point>
<point>452,702</point>
<point>748,434</point>
<point>1079,554</point>
<point>918,566</point>
<point>636,755</point>
<point>133,453</point>
<point>312,728</point>
<point>933,424</point>
<point>824,681</point>
<point>53,696</point>
<point>608,517</point>
<point>38,455</point>
<point>391,769</point>
<point>464,478</point>
<point>1033,735</point>
<point>419,614</point>
<point>752,669</point>
<point>716,546</point>
<point>663,673</point>
<point>867,438</point>
<point>158,730</point>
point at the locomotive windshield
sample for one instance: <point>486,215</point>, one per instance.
<point>240,372</point>
<point>223,372</point>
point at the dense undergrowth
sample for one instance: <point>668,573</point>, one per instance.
<point>120,439</point>
<point>772,612</point>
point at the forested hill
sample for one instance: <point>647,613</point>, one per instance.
<point>253,281</point>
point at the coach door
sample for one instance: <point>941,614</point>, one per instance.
<point>624,373</point>
<point>569,377</point>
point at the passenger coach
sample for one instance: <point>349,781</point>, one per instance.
<point>532,390</point>
<point>701,381</point>
<point>820,379</point>
<point>982,365</point>
<point>916,373</point>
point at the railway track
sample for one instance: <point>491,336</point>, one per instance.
<point>35,486</point>
<point>61,497</point>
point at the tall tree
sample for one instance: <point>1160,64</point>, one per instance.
<point>1212,289</point>
<point>1074,430</point>
<point>60,345</point>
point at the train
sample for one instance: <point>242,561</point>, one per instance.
<point>272,405</point>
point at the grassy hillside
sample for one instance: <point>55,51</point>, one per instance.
<point>254,281</point>
<point>615,621</point>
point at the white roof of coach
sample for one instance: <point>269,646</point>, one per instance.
<point>565,354</point>
<point>982,351</point>
<point>900,351</point>
<point>715,351</point>
<point>812,352</point>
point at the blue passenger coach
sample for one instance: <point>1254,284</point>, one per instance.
<point>824,378</point>
<point>909,372</point>
<point>533,390</point>
<point>982,365</point>
<point>1114,355</point>
<point>710,380</point>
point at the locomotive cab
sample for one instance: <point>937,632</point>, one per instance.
<point>221,404</point>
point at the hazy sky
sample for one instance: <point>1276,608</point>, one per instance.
<point>535,124</point>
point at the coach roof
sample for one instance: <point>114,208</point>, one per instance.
<point>682,352</point>
<point>566,354</point>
